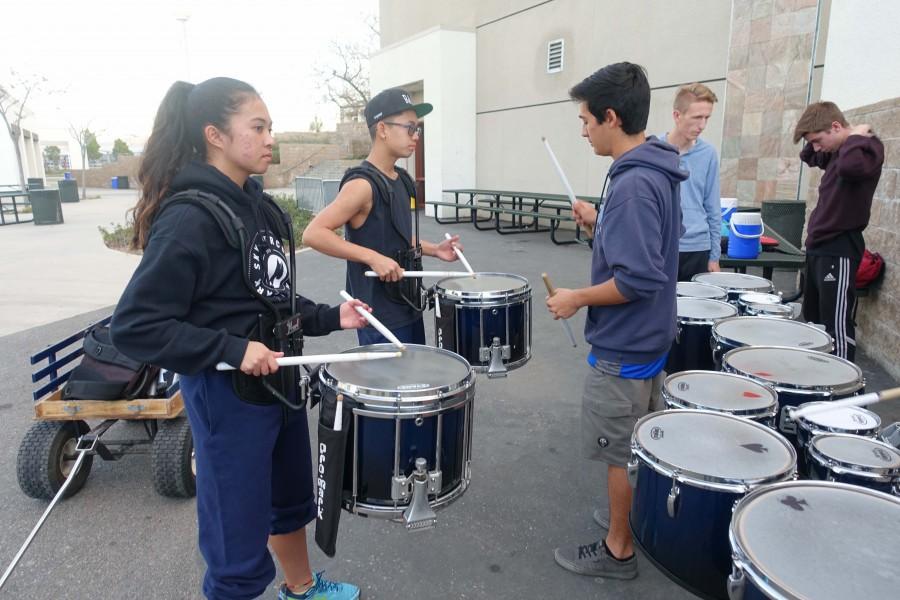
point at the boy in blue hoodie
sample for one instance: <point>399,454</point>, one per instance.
<point>631,301</point>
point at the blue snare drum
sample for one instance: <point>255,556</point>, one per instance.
<point>486,319</point>
<point>695,318</point>
<point>417,406</point>
<point>804,540</point>
<point>722,392</point>
<point>738,332</point>
<point>854,459</point>
<point>688,468</point>
<point>797,375</point>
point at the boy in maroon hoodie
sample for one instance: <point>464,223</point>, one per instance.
<point>851,157</point>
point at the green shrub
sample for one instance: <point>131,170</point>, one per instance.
<point>118,236</point>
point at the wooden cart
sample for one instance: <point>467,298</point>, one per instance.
<point>49,448</point>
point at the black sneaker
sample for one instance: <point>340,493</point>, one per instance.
<point>596,561</point>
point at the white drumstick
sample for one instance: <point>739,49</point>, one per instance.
<point>861,400</point>
<point>339,410</point>
<point>462,258</point>
<point>316,359</point>
<point>565,180</point>
<point>439,274</point>
<point>375,322</point>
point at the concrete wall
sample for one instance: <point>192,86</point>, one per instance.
<point>32,157</point>
<point>863,52</point>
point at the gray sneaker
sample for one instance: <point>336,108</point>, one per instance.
<point>601,519</point>
<point>593,560</point>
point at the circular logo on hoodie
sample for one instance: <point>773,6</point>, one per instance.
<point>269,271</point>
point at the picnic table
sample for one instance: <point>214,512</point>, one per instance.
<point>784,256</point>
<point>11,202</point>
<point>526,211</point>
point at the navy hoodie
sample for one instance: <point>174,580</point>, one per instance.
<point>187,306</point>
<point>636,243</point>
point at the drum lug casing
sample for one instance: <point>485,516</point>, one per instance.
<point>632,471</point>
<point>736,583</point>
<point>673,499</point>
<point>496,354</point>
<point>416,488</point>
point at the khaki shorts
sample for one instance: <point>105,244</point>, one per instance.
<point>610,407</point>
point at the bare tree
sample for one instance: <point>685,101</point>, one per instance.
<point>14,98</point>
<point>346,73</point>
<point>83,137</point>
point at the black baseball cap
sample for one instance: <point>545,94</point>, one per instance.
<point>393,101</point>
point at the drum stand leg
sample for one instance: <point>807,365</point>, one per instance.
<point>418,515</point>
<point>496,354</point>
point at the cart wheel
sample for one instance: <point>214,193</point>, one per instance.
<point>174,470</point>
<point>46,457</point>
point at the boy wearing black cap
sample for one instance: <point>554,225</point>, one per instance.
<point>373,206</point>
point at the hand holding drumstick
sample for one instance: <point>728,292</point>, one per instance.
<point>552,292</point>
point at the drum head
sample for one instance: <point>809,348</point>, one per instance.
<point>735,281</point>
<point>709,446</point>
<point>759,331</point>
<point>759,298</point>
<point>814,539</point>
<point>420,370</point>
<point>774,310</point>
<point>796,368</point>
<point>703,309</point>
<point>857,450</point>
<point>490,283</point>
<point>693,289</point>
<point>846,418</point>
<point>722,392</point>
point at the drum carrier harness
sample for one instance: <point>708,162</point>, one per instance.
<point>408,290</point>
<point>279,331</point>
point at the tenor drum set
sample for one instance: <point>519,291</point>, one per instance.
<point>749,393</point>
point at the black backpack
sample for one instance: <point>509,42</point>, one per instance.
<point>106,374</point>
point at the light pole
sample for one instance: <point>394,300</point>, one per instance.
<point>183,18</point>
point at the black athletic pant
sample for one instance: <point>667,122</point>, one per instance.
<point>829,298</point>
<point>692,263</point>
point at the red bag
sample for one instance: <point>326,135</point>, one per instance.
<point>871,268</point>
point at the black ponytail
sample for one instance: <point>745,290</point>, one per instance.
<point>178,137</point>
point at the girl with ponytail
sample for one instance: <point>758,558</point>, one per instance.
<point>194,301</point>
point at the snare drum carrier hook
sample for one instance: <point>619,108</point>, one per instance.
<point>280,333</point>
<point>408,290</point>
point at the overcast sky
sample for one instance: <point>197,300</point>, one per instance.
<point>113,60</point>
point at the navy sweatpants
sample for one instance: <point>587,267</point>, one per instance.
<point>254,478</point>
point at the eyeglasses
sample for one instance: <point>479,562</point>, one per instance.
<point>411,128</point>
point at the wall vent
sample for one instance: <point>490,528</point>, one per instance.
<point>555,54</point>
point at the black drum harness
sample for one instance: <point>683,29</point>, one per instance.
<point>408,290</point>
<point>279,334</point>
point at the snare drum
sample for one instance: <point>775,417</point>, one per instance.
<point>853,420</point>
<point>815,540</point>
<point>419,405</point>
<point>735,284</point>
<point>485,319</point>
<point>691,347</point>
<point>693,289</point>
<point>722,392</point>
<point>688,468</point>
<point>778,311</point>
<point>744,300</point>
<point>856,460</point>
<point>737,332</point>
<point>797,375</point>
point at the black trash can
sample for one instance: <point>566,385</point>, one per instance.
<point>45,207</point>
<point>786,217</point>
<point>68,190</point>
<point>35,183</point>
<point>122,182</point>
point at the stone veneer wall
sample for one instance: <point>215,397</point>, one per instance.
<point>878,315</point>
<point>766,91</point>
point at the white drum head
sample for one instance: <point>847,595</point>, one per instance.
<point>709,446</point>
<point>485,282</point>
<point>759,331</point>
<point>723,392</point>
<point>821,540</point>
<point>857,450</point>
<point>693,289</point>
<point>846,418</point>
<point>795,367</point>
<point>735,281</point>
<point>703,309</point>
<point>759,298</point>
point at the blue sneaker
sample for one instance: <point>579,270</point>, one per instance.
<point>322,589</point>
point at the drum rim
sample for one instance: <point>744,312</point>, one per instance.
<point>744,301</point>
<point>719,338</point>
<point>842,467</point>
<point>703,320</point>
<point>741,558</point>
<point>730,289</point>
<point>524,291</point>
<point>807,424</point>
<point>402,401</point>
<point>701,480</point>
<point>834,390</point>
<point>721,289</point>
<point>785,309</point>
<point>767,411</point>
